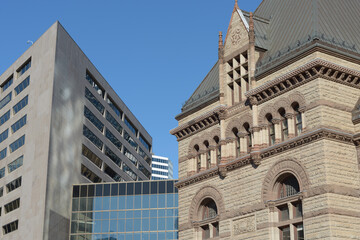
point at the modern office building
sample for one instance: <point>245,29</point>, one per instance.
<point>146,210</point>
<point>61,124</point>
<point>269,141</point>
<point>162,168</point>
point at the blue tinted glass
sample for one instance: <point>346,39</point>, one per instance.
<point>137,202</point>
<point>137,236</point>
<point>114,203</point>
<point>145,201</point>
<point>170,223</point>
<point>105,237</point>
<point>106,203</point>
<point>105,215</point>
<point>4,135</point>
<point>90,204</point>
<point>20,105</point>
<point>97,215</point>
<point>145,236</point>
<point>128,236</point>
<point>153,236</point>
<point>129,225</point>
<point>4,117</point>
<point>153,201</point>
<point>98,203</point>
<point>113,215</point>
<point>170,212</point>
<point>153,213</point>
<point>19,88</point>
<point>161,223</point>
<point>121,225</point>
<point>92,137</point>
<point>176,200</point>
<point>161,213</point>
<point>153,224</point>
<point>6,100</point>
<point>3,153</point>
<point>129,214</point>
<point>7,83</point>
<point>97,226</point>
<point>169,236</point>
<point>170,200</point>
<point>161,235</point>
<point>161,201</point>
<point>145,224</point>
<point>105,226</point>
<point>137,224</point>
<point>137,214</point>
<point>121,214</point>
<point>122,202</point>
<point>145,213</point>
<point>113,225</point>
<point>113,236</point>
<point>113,122</point>
<point>121,236</point>
<point>130,202</point>
<point>93,119</point>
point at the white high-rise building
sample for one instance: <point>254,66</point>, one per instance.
<point>162,168</point>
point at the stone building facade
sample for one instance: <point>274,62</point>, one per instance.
<point>269,141</point>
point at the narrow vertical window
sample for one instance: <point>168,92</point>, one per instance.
<point>298,119</point>
<point>284,124</point>
<point>271,127</point>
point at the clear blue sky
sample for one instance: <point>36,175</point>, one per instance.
<point>153,53</point>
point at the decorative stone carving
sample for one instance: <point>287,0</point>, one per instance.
<point>244,225</point>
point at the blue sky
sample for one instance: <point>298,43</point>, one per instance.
<point>153,53</point>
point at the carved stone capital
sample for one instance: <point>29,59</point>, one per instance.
<point>230,139</point>
<point>222,142</point>
<point>302,109</point>
<point>276,121</point>
<point>289,115</point>
<point>256,129</point>
<point>242,134</point>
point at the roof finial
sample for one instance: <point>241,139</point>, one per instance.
<point>221,45</point>
<point>236,4</point>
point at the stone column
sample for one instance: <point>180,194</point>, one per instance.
<point>213,156</point>
<point>303,119</point>
<point>264,135</point>
<point>256,143</point>
<point>277,122</point>
<point>203,161</point>
<point>243,143</point>
<point>291,124</point>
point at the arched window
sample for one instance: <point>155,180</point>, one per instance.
<point>236,133</point>
<point>298,119</point>
<point>289,211</point>
<point>284,125</point>
<point>248,136</point>
<point>198,159</point>
<point>208,155</point>
<point>271,129</point>
<point>209,213</point>
<point>218,149</point>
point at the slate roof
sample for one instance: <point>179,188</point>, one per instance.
<point>208,88</point>
<point>283,26</point>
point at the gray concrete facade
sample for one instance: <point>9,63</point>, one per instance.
<point>52,153</point>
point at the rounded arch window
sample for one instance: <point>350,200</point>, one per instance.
<point>218,149</point>
<point>289,208</point>
<point>269,118</point>
<point>198,159</point>
<point>284,124</point>
<point>288,186</point>
<point>208,154</point>
<point>208,213</point>
<point>248,136</point>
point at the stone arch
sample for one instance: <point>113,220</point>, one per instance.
<point>206,192</point>
<point>212,134</point>
<point>238,123</point>
<point>283,103</point>
<point>265,110</point>
<point>291,166</point>
<point>193,142</point>
<point>297,97</point>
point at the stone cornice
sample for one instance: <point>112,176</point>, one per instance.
<point>198,124</point>
<point>317,68</point>
<point>306,138</point>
